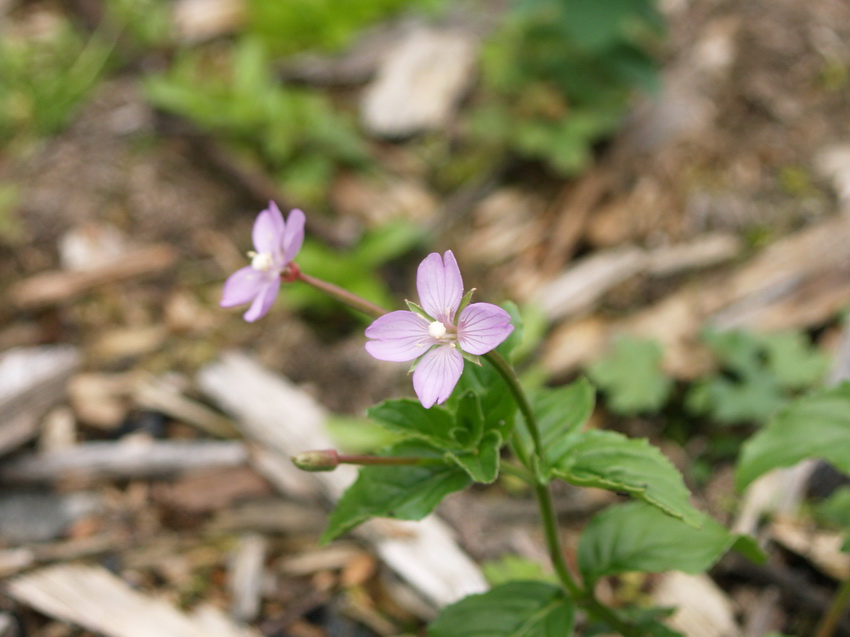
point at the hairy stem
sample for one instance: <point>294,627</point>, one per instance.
<point>346,297</point>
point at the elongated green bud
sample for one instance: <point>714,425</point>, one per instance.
<point>320,460</point>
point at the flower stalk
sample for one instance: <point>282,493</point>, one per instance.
<point>340,294</point>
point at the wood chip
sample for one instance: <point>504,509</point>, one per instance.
<point>93,598</point>
<point>245,576</point>
<point>32,380</point>
<point>50,288</point>
<point>165,395</point>
<point>702,608</point>
<point>419,83</point>
<point>136,458</point>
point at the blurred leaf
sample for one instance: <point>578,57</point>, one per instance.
<point>796,364</point>
<point>513,609</point>
<point>631,376</point>
<point>815,426</point>
<point>358,435</point>
<point>514,567</point>
<point>757,373</point>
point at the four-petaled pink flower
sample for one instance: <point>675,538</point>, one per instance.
<point>276,242</point>
<point>437,337</point>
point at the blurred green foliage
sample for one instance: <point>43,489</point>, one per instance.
<point>44,79</point>
<point>356,270</point>
<point>631,376</point>
<point>755,376</point>
<point>758,374</point>
<point>558,76</point>
<point>232,93</point>
<point>294,26</point>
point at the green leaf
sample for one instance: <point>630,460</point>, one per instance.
<point>560,412</point>
<point>609,460</point>
<point>515,609</point>
<point>401,492</point>
<point>816,426</point>
<point>631,376</point>
<point>794,361</point>
<point>835,510</point>
<point>469,420</point>
<point>646,621</point>
<point>407,416</point>
<point>638,537</point>
<point>482,464</point>
<point>497,402</point>
<point>514,567</point>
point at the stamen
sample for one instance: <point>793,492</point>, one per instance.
<point>437,330</point>
<point>262,261</point>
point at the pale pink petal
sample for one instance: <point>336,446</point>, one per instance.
<point>293,235</point>
<point>242,286</point>
<point>264,300</point>
<point>440,286</point>
<point>269,230</point>
<point>482,326</point>
<point>399,336</point>
<point>437,374</point>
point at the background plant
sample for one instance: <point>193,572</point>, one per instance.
<point>559,74</point>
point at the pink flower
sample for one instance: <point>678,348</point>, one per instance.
<point>275,243</point>
<point>436,336</point>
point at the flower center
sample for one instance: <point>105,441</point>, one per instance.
<point>262,261</point>
<point>437,330</point>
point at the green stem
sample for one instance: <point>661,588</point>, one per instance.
<point>346,297</point>
<point>581,595</point>
<point>839,603</point>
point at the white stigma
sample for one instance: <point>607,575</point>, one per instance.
<point>262,261</point>
<point>437,330</point>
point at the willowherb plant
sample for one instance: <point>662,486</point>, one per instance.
<point>454,435</point>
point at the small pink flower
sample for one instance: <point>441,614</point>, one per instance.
<point>438,339</point>
<point>275,243</point>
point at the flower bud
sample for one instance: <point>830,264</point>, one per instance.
<point>320,460</point>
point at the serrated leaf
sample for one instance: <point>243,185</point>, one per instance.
<point>407,416</point>
<point>639,537</point>
<point>609,460</point>
<point>481,463</point>
<point>515,609</point>
<point>815,426</point>
<point>560,412</point>
<point>401,492</point>
<point>631,376</point>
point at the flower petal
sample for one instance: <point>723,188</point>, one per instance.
<point>440,286</point>
<point>265,299</point>
<point>482,326</point>
<point>269,230</point>
<point>293,235</point>
<point>437,374</point>
<point>399,336</point>
<point>242,286</point>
